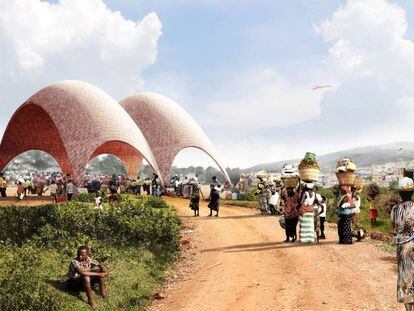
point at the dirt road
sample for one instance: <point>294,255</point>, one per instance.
<point>239,262</point>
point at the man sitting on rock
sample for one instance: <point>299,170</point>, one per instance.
<point>84,272</point>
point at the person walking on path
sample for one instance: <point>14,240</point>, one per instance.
<point>214,204</point>
<point>306,212</point>
<point>264,195</point>
<point>322,216</point>
<point>345,203</point>
<point>402,217</point>
<point>53,190</point>
<point>70,189</point>
<point>290,198</point>
<point>20,190</point>
<point>138,184</point>
<point>372,195</point>
<point>356,224</point>
<point>195,193</point>
<point>3,186</point>
<point>274,200</point>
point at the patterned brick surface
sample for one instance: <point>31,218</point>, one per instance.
<point>74,121</point>
<point>168,129</point>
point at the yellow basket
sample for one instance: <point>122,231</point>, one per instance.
<point>290,182</point>
<point>309,174</point>
<point>346,178</point>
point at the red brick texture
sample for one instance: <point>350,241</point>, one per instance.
<point>168,129</point>
<point>74,121</point>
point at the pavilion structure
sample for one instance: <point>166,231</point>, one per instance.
<point>74,122</point>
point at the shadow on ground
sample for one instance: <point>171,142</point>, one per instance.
<point>264,246</point>
<point>61,286</point>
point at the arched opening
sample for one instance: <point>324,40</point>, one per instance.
<point>32,161</point>
<point>105,164</point>
<point>129,157</point>
<point>192,161</point>
<point>31,128</point>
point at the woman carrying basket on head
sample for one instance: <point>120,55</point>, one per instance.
<point>402,217</point>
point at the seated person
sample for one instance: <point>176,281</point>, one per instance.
<point>82,275</point>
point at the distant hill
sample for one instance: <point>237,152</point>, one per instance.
<point>399,152</point>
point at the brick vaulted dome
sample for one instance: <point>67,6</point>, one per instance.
<point>168,129</point>
<point>74,122</point>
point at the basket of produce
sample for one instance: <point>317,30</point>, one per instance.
<point>309,168</point>
<point>346,164</point>
<point>359,183</point>
<point>346,178</point>
<point>290,182</point>
<point>372,191</point>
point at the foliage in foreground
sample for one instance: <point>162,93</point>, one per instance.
<point>135,241</point>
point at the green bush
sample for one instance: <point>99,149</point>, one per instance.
<point>250,195</point>
<point>89,197</point>
<point>133,222</point>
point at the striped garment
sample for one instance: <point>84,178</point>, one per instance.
<point>307,229</point>
<point>402,217</point>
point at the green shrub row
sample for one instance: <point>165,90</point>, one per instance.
<point>132,222</point>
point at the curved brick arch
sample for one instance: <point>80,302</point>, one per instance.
<point>128,155</point>
<point>74,119</point>
<point>168,129</point>
<point>31,128</point>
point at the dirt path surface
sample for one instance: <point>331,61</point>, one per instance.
<point>239,262</point>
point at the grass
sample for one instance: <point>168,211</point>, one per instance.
<point>135,273</point>
<point>35,258</point>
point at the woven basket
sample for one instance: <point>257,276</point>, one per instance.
<point>346,178</point>
<point>291,182</point>
<point>309,174</point>
<point>359,182</point>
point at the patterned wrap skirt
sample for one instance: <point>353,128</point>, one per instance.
<point>195,203</point>
<point>405,281</point>
<point>307,228</point>
<point>345,229</point>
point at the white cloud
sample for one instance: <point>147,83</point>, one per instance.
<point>41,43</point>
<point>261,98</point>
<point>372,58</point>
<point>368,39</point>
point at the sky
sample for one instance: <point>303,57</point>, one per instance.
<point>245,70</point>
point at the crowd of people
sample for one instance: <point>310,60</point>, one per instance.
<point>61,187</point>
<point>303,210</point>
<point>102,184</point>
<point>57,185</point>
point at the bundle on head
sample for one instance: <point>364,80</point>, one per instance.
<point>372,191</point>
<point>309,168</point>
<point>345,172</point>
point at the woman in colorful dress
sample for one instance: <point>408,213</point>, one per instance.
<point>290,198</point>
<point>345,203</point>
<point>402,217</point>
<point>306,212</point>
